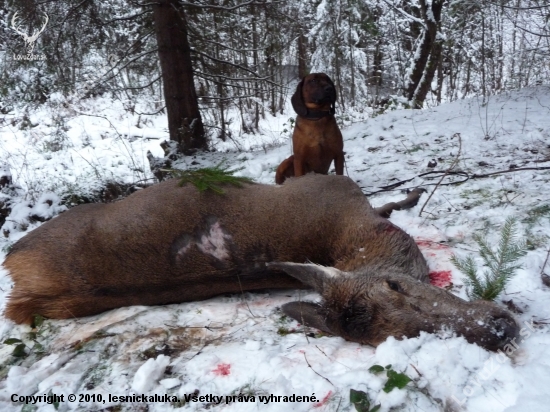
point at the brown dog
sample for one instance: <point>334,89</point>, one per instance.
<point>316,140</point>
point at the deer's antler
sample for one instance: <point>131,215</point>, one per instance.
<point>29,40</point>
<point>14,27</point>
<point>36,33</point>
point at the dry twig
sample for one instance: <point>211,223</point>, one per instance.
<point>243,297</point>
<point>446,172</point>
<point>545,262</point>
<point>317,373</point>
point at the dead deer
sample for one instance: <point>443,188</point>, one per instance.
<point>170,244</point>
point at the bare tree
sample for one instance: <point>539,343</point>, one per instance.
<point>426,58</point>
<point>184,119</point>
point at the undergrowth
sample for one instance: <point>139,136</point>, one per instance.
<point>360,399</point>
<point>501,263</point>
<point>210,178</point>
<point>22,349</point>
<point>535,214</point>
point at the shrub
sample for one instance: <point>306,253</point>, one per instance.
<point>501,263</point>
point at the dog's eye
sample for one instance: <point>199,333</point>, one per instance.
<point>394,286</point>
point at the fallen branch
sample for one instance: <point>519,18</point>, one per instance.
<point>515,169</point>
<point>446,172</point>
<point>543,276</point>
<point>243,297</point>
<point>410,201</point>
<point>545,262</point>
<point>317,373</point>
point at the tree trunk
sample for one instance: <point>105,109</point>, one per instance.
<point>302,58</point>
<point>419,63</point>
<point>256,63</point>
<point>483,75</point>
<point>219,85</point>
<point>427,54</point>
<point>184,119</point>
<point>377,67</point>
<point>429,71</point>
<point>440,76</point>
<point>351,68</point>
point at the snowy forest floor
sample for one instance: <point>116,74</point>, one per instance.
<point>241,344</point>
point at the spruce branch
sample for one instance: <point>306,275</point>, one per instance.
<point>501,263</point>
<point>211,178</point>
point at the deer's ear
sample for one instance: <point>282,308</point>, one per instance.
<point>316,276</point>
<point>308,314</point>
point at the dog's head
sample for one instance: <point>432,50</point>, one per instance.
<point>315,92</point>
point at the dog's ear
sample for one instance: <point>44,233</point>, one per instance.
<point>298,101</point>
<point>333,102</point>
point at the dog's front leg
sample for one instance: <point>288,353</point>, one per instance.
<point>298,166</point>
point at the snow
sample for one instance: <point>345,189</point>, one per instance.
<point>25,381</point>
<point>240,345</point>
<point>149,373</point>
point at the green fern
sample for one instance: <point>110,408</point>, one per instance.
<point>210,178</point>
<point>501,263</point>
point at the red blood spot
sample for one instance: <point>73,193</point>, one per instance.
<point>323,401</point>
<point>223,369</point>
<point>390,228</point>
<point>440,278</point>
<point>430,244</point>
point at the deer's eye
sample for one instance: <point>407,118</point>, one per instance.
<point>394,286</point>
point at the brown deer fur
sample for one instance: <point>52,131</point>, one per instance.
<point>169,244</point>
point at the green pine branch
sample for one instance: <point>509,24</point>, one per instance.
<point>211,178</point>
<point>501,263</point>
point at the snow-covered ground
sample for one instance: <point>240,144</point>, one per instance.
<point>240,348</point>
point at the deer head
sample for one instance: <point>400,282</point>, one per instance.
<point>29,40</point>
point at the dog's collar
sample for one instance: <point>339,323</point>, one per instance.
<point>317,114</point>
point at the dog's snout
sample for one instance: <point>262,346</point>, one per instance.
<point>329,91</point>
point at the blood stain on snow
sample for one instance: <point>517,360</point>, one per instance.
<point>323,401</point>
<point>441,278</point>
<point>223,369</point>
<point>424,243</point>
